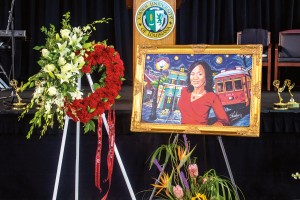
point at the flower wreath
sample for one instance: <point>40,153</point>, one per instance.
<point>65,56</point>
<point>108,61</point>
<point>106,91</point>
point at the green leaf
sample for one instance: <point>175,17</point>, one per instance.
<point>90,110</point>
<point>51,75</point>
<point>38,48</point>
<point>41,63</point>
<point>87,45</point>
<point>89,126</point>
<point>96,86</point>
<point>105,99</point>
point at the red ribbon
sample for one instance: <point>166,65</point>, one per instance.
<point>98,154</point>
<point>110,156</point>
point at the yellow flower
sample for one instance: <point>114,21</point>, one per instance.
<point>163,183</point>
<point>199,197</point>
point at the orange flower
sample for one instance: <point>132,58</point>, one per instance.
<point>163,183</point>
<point>181,153</point>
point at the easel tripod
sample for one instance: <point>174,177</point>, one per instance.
<point>10,25</point>
<point>77,153</point>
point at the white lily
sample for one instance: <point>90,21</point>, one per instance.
<point>66,68</point>
<point>75,41</point>
<point>62,48</point>
<point>49,68</point>
<point>65,33</point>
<point>64,77</point>
<point>79,62</point>
<point>61,61</point>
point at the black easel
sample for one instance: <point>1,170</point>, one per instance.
<point>12,28</point>
<point>228,165</point>
<point>10,25</point>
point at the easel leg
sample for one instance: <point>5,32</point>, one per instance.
<point>115,146</point>
<point>228,165</point>
<point>61,154</point>
<point>77,160</point>
<point>120,161</point>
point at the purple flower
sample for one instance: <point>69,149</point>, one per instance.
<point>185,141</point>
<point>157,165</point>
<point>185,183</point>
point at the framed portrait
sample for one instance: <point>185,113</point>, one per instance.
<point>198,89</point>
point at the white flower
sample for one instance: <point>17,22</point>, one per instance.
<point>49,68</point>
<point>52,91</point>
<point>65,33</point>
<point>59,101</point>
<point>48,107</point>
<point>76,95</point>
<point>45,53</point>
<point>61,61</point>
<point>64,77</point>
<point>78,31</point>
<point>72,55</point>
<point>62,48</point>
<point>66,68</point>
<point>75,41</point>
<point>79,61</point>
<point>37,92</point>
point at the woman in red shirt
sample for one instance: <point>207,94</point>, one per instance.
<point>198,97</point>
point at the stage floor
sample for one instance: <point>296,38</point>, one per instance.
<point>125,102</point>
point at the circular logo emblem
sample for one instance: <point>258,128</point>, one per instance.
<point>155,19</point>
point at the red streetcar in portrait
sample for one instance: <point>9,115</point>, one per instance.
<point>234,87</point>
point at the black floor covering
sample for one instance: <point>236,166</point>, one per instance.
<point>261,167</point>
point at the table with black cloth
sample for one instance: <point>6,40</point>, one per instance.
<point>261,166</point>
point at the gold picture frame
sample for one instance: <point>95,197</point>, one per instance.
<point>161,80</point>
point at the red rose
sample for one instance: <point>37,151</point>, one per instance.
<point>104,97</point>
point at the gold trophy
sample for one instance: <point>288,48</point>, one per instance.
<point>292,104</point>
<point>280,105</point>
<point>17,105</point>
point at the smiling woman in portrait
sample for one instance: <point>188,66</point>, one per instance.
<point>198,97</point>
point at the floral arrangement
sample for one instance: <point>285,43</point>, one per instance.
<point>65,57</point>
<point>183,182</point>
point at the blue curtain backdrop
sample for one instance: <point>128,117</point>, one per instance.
<point>198,21</point>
